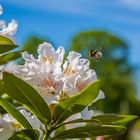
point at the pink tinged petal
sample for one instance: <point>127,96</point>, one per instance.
<point>70,84</point>
<point>99,138</point>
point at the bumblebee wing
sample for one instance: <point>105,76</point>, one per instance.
<point>102,48</point>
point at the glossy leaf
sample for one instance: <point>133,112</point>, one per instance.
<point>76,103</point>
<point>2,91</point>
<point>6,44</point>
<point>27,96</point>
<point>26,134</point>
<point>15,113</point>
<point>5,48</point>
<point>108,119</point>
<point>94,121</point>
<point>90,131</point>
<point>9,57</point>
<point>114,119</point>
<point>5,41</point>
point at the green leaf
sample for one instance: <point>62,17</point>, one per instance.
<point>94,121</point>
<point>15,113</point>
<point>26,134</point>
<point>27,96</point>
<point>5,48</point>
<point>6,44</point>
<point>9,57</point>
<point>90,131</point>
<point>114,119</point>
<point>108,119</point>
<point>2,90</point>
<point>76,103</point>
<point>5,41</point>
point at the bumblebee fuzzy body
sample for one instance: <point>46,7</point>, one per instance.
<point>95,54</point>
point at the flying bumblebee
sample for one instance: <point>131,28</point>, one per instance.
<point>97,54</point>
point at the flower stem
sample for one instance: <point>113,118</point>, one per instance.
<point>47,133</point>
<point>47,136</point>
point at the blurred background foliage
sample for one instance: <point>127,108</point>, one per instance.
<point>114,71</point>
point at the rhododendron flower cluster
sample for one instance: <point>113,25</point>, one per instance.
<point>52,76</point>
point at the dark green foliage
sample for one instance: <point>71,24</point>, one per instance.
<point>26,134</point>
<point>7,45</point>
<point>2,91</point>
<point>90,131</point>
<point>6,48</point>
<point>5,58</point>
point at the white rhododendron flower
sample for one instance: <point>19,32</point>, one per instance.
<point>50,77</point>
<point>9,67</point>
<point>10,29</point>
<point>5,129</point>
<point>8,125</point>
<point>7,30</point>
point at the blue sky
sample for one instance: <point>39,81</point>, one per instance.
<point>59,20</point>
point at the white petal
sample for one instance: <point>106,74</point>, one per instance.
<point>6,131</point>
<point>10,29</point>
<point>100,96</point>
<point>10,67</point>
<point>61,53</point>
<point>27,57</point>
<point>71,118</point>
<point>32,119</point>
<point>87,114</point>
<point>45,49</point>
<point>72,56</point>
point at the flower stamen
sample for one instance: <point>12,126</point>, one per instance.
<point>47,58</point>
<point>68,71</point>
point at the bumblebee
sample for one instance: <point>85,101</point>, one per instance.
<point>97,54</point>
